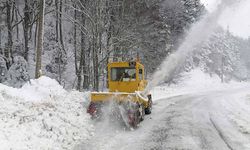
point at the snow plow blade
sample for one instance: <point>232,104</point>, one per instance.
<point>119,97</point>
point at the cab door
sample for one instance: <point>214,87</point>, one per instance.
<point>141,77</point>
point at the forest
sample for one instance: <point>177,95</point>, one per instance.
<point>80,37</point>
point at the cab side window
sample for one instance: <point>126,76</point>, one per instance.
<point>140,74</point>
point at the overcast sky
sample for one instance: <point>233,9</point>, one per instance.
<point>237,19</point>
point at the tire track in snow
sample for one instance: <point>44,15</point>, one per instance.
<point>221,134</point>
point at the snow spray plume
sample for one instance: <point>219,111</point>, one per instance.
<point>199,32</point>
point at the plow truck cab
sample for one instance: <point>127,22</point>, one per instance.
<point>126,85</point>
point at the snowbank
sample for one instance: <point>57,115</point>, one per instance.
<point>42,115</point>
<point>195,81</point>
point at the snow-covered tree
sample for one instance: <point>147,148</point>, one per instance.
<point>86,34</point>
<point>58,62</point>
<point>219,55</point>
<point>3,70</point>
<point>18,74</point>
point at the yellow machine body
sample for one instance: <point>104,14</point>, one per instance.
<point>126,81</point>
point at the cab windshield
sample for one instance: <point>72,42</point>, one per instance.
<point>123,74</point>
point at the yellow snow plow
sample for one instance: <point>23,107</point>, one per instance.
<point>126,84</point>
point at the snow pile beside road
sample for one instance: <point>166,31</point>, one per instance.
<point>37,90</point>
<point>42,115</point>
<point>195,81</point>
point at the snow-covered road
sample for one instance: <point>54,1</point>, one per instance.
<point>204,120</point>
<point>197,113</point>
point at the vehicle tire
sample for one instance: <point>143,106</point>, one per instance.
<point>149,108</point>
<point>142,112</point>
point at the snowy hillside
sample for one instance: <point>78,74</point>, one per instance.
<point>42,115</point>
